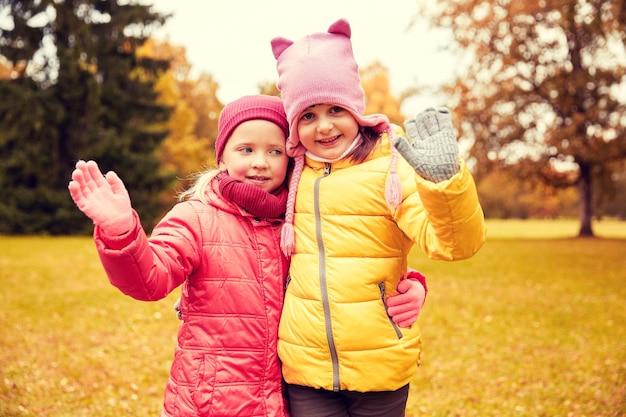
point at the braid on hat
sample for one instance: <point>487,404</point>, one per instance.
<point>287,233</point>
<point>393,189</point>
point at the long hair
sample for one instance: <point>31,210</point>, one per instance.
<point>199,186</point>
<point>370,138</point>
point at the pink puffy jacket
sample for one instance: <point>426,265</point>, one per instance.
<point>233,275</point>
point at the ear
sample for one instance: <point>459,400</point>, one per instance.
<point>279,45</point>
<point>341,27</point>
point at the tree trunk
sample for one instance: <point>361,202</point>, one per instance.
<point>585,195</point>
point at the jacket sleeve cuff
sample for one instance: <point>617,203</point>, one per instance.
<point>118,242</point>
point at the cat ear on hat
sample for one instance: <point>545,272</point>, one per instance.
<point>341,27</point>
<point>279,45</point>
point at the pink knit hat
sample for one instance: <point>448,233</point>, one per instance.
<point>320,68</point>
<point>247,108</point>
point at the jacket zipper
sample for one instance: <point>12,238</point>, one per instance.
<point>322,278</point>
<point>381,287</point>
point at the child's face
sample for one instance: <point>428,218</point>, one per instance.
<point>327,130</point>
<point>255,154</point>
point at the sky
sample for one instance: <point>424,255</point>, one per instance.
<point>230,40</point>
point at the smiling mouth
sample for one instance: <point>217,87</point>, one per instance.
<point>326,141</point>
<point>259,179</point>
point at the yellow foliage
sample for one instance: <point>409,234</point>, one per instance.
<point>379,99</point>
<point>10,71</point>
<point>193,124</point>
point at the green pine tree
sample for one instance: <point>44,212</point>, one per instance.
<point>78,91</point>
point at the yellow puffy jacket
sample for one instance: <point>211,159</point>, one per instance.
<point>350,253</point>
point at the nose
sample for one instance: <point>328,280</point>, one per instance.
<point>259,161</point>
<point>324,124</point>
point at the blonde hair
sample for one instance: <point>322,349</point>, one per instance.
<point>200,185</point>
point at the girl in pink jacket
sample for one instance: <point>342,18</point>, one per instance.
<point>222,244</point>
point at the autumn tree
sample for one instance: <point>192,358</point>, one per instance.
<point>379,98</point>
<point>189,145</point>
<point>269,88</point>
<point>6,70</point>
<point>504,195</point>
<point>543,94</point>
<point>76,90</point>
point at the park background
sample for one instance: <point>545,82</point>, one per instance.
<point>533,325</point>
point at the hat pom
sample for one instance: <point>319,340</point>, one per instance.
<point>393,189</point>
<point>287,233</point>
<point>287,239</point>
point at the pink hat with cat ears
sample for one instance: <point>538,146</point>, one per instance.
<point>320,69</point>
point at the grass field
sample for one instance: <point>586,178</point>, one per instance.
<point>533,326</point>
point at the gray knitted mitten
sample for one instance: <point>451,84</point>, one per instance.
<point>431,148</point>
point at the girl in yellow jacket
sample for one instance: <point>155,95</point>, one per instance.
<point>355,209</point>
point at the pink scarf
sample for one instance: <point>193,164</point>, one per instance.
<point>252,198</point>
